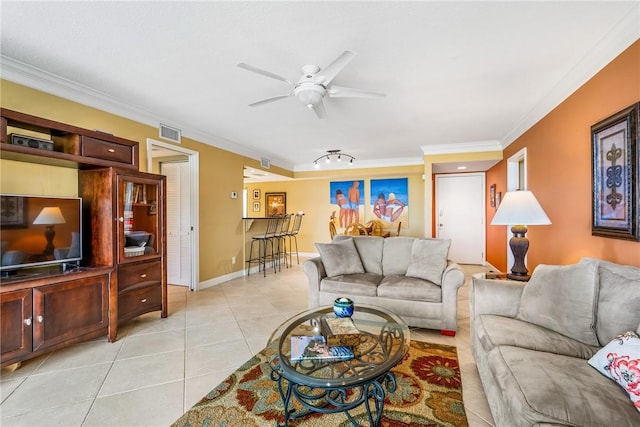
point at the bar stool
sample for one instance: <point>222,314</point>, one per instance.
<point>281,241</point>
<point>297,222</point>
<point>263,241</point>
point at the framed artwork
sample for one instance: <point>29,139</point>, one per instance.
<point>615,170</point>
<point>256,206</point>
<point>498,199</point>
<point>389,199</point>
<point>346,202</point>
<point>12,211</point>
<point>275,204</point>
<point>256,194</point>
<point>492,195</point>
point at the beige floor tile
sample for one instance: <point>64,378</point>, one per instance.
<point>260,326</point>
<point>145,371</point>
<point>212,333</point>
<point>64,416</point>
<point>57,388</point>
<point>200,314</point>
<point>157,342</point>
<point>26,368</point>
<point>256,344</point>
<point>83,354</point>
<point>8,386</point>
<point>152,322</point>
<point>212,358</point>
<point>159,405</point>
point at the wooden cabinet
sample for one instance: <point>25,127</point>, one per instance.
<point>128,232</point>
<point>72,146</point>
<point>51,312</point>
<point>123,270</point>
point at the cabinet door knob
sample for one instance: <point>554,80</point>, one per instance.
<point>143,300</point>
<point>111,150</point>
<point>40,319</point>
<point>27,321</point>
<point>121,219</point>
<point>143,275</point>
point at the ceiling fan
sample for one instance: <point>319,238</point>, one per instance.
<point>314,84</point>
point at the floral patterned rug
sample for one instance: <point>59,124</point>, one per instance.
<point>429,393</point>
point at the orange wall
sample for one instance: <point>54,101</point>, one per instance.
<point>559,172</point>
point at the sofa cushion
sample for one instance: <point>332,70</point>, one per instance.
<point>620,361</point>
<point>562,298</point>
<point>543,387</point>
<point>396,254</point>
<point>409,288</point>
<point>428,259</point>
<point>493,331</point>
<point>352,284</point>
<point>618,300</point>
<point>340,257</point>
<point>370,251</point>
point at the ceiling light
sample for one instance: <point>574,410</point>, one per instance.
<point>461,168</point>
<point>338,154</point>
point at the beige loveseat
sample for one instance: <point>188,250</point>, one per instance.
<point>409,276</point>
<point>542,348</point>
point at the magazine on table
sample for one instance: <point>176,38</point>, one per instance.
<point>316,348</point>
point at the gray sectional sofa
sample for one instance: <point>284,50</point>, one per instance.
<point>409,276</point>
<point>533,344</point>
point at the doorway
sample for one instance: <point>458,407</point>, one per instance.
<point>460,216</point>
<point>180,166</point>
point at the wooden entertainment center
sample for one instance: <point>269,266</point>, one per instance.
<point>123,272</point>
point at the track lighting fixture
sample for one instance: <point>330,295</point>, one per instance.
<point>337,154</point>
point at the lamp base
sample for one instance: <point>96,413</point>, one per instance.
<point>519,245</point>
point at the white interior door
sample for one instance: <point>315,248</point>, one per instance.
<point>178,222</point>
<point>460,216</point>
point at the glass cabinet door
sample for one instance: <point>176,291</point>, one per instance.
<point>138,216</point>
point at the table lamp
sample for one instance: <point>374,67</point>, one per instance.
<point>49,216</point>
<point>519,208</point>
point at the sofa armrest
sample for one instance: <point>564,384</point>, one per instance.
<point>491,296</point>
<point>452,276</point>
<point>315,272</point>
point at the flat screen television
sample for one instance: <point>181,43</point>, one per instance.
<point>37,231</point>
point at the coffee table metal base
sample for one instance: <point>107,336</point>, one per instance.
<point>331,400</point>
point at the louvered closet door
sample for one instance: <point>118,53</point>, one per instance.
<point>178,223</point>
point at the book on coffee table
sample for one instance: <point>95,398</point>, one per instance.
<point>339,331</point>
<point>316,348</point>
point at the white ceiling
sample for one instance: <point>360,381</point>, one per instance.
<point>459,76</point>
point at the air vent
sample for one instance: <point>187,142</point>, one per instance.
<point>265,163</point>
<point>169,133</point>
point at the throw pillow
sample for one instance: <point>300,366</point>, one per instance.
<point>620,361</point>
<point>562,298</point>
<point>428,259</point>
<point>340,258</point>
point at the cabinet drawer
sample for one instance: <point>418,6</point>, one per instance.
<point>105,150</point>
<point>139,301</point>
<point>139,274</point>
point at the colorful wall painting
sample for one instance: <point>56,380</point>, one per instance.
<point>347,202</point>
<point>389,201</point>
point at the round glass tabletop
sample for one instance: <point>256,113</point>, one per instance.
<point>382,343</point>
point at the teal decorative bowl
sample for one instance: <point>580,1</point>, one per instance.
<point>343,307</point>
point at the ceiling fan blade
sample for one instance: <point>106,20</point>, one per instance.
<point>268,100</point>
<point>263,72</point>
<point>347,92</point>
<point>327,74</point>
<point>320,111</point>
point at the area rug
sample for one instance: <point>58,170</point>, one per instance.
<point>429,393</point>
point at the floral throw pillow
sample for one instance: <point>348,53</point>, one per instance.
<point>620,361</point>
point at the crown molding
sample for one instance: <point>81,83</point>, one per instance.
<point>619,38</point>
<point>44,81</point>
<point>462,147</point>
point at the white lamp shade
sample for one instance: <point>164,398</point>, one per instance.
<point>49,216</point>
<point>520,208</point>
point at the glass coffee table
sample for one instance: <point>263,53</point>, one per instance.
<point>340,386</point>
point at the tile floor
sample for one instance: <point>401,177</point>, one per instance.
<point>158,368</point>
